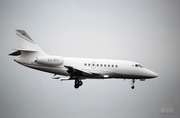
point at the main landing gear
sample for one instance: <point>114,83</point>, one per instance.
<point>133,81</point>
<point>77,83</point>
<point>75,75</point>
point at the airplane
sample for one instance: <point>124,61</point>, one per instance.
<point>77,69</point>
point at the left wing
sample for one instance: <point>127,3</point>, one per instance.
<point>80,72</point>
<point>77,72</point>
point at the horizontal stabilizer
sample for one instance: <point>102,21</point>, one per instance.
<point>27,50</point>
<point>16,53</point>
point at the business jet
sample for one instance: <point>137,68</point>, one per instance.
<point>77,69</point>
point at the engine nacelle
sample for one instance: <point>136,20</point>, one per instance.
<point>50,60</point>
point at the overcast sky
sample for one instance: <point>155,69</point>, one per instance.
<point>143,31</point>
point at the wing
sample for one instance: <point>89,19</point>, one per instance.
<point>74,71</point>
<point>79,72</point>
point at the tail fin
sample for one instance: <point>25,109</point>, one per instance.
<point>27,45</point>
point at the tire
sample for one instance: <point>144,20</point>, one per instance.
<point>76,86</point>
<point>132,87</point>
<point>80,83</point>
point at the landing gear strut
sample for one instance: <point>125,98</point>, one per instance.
<point>133,81</point>
<point>75,75</point>
<point>77,83</point>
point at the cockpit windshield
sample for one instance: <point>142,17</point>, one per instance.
<point>138,65</point>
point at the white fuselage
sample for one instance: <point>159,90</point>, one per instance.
<point>97,68</point>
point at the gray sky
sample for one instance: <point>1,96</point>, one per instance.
<point>144,31</point>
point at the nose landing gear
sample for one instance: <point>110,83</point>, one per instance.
<point>133,81</point>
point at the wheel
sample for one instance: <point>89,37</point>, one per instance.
<point>76,86</point>
<point>80,83</point>
<point>76,83</point>
<point>132,87</point>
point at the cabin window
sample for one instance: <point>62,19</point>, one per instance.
<point>107,65</point>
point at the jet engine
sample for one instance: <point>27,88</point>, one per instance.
<point>50,60</point>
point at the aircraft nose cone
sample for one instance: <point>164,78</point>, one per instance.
<point>156,75</point>
<point>152,74</point>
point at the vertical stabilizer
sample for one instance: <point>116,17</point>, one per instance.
<point>28,48</point>
<point>26,42</point>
